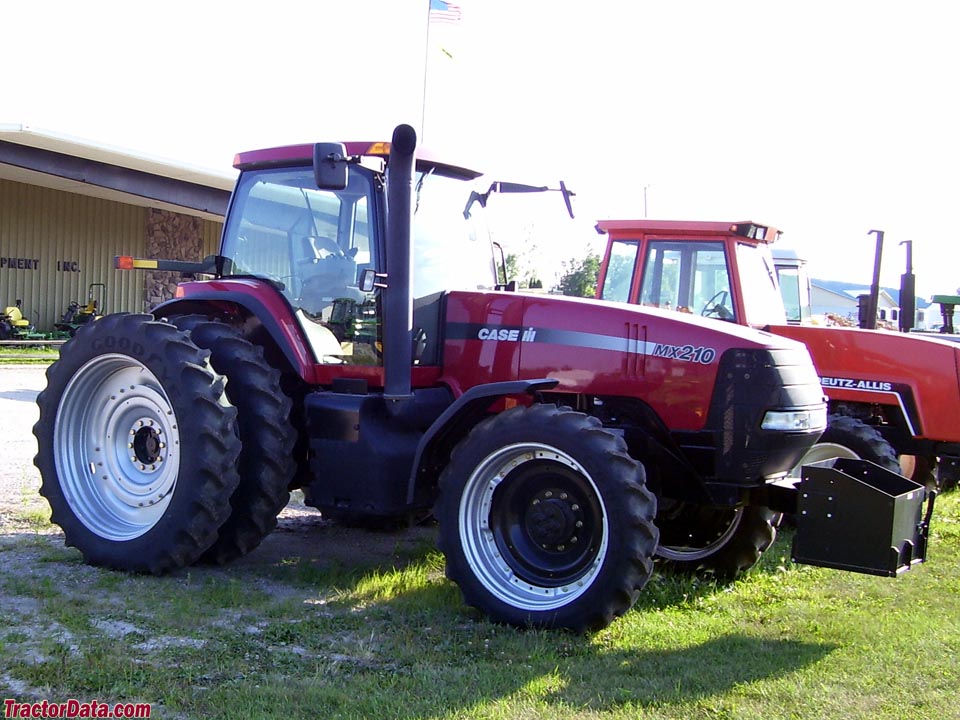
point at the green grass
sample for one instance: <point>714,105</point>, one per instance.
<point>28,354</point>
<point>392,640</point>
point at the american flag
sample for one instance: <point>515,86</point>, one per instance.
<point>444,12</point>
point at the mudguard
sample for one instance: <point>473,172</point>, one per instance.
<point>455,422</point>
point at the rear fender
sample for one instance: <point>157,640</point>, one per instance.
<point>433,452</point>
<point>269,310</point>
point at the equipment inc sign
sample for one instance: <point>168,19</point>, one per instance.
<point>19,263</point>
<point>22,263</point>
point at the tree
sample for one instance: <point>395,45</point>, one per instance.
<point>580,276</point>
<point>519,268</point>
<point>513,268</point>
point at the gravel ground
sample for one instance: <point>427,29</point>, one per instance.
<point>301,530</point>
<point>19,479</point>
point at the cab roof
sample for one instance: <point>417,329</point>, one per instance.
<point>745,228</point>
<point>303,154</point>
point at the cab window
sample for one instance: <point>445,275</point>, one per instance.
<point>689,277</point>
<point>623,258</point>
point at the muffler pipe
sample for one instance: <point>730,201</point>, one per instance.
<point>398,298</point>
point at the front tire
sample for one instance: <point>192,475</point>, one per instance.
<point>848,437</point>
<point>137,445</point>
<point>721,541</point>
<point>545,520</point>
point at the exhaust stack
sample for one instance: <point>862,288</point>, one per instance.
<point>908,292</point>
<point>868,317</point>
<point>398,300</point>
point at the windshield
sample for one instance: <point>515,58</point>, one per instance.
<point>450,252</point>
<point>282,228</point>
<point>758,279</point>
<point>795,291</point>
<point>689,276</point>
<point>616,283</point>
<point>312,244</point>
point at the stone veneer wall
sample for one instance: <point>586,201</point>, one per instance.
<point>170,236</point>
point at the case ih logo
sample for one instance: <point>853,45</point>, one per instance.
<point>507,334</point>
<point>575,338</point>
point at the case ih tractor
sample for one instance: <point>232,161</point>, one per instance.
<point>893,397</point>
<point>561,443</point>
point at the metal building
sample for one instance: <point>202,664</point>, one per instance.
<point>67,207</point>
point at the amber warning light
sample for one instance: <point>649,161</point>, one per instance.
<point>128,262</point>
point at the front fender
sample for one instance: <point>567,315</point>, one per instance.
<point>438,441</point>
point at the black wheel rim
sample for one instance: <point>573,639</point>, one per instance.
<point>694,533</point>
<point>520,510</point>
<point>546,521</point>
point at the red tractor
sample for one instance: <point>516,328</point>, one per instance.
<point>352,343</point>
<point>893,396</point>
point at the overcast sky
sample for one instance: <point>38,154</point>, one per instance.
<point>824,119</point>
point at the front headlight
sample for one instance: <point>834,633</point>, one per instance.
<point>795,420</point>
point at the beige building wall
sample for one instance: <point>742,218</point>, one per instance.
<point>54,244</point>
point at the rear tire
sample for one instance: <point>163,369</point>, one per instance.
<point>545,520</point>
<point>137,445</point>
<point>266,463</point>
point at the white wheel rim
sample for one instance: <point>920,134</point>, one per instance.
<point>116,447</point>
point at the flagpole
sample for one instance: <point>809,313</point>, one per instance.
<point>426,65</point>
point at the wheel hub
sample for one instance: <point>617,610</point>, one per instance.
<point>147,445</point>
<point>552,520</point>
<point>533,526</point>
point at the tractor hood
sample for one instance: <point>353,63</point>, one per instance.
<point>667,359</point>
<point>920,374</point>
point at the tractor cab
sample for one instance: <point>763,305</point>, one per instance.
<point>315,238</point>
<point>712,269</point>
<point>794,285</point>
<point>315,243</point>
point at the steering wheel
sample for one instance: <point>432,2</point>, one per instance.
<point>716,306</point>
<point>323,248</point>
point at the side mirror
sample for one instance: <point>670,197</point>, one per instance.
<point>215,265</point>
<point>370,279</point>
<point>330,166</point>
<point>567,195</point>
